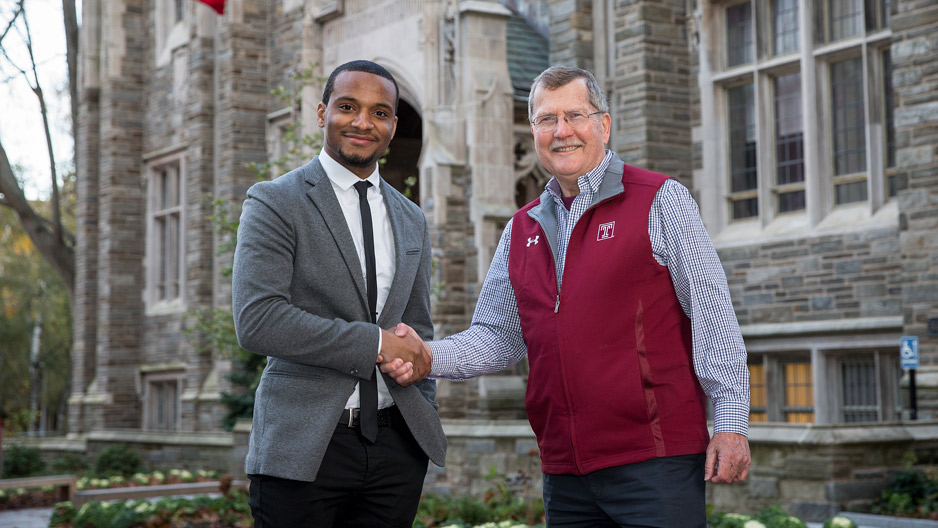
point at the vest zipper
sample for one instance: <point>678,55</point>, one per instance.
<point>557,305</point>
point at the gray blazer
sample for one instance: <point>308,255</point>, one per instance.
<point>299,297</point>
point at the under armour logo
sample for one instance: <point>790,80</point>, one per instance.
<point>533,240</point>
<point>606,231</point>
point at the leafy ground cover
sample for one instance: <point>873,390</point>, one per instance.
<point>45,497</point>
<point>910,493</point>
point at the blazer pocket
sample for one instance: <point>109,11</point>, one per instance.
<point>292,375</point>
<point>300,372</point>
<point>412,251</point>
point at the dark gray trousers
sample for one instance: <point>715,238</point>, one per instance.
<point>659,493</point>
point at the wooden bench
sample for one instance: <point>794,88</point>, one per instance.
<point>145,492</point>
<point>65,484</point>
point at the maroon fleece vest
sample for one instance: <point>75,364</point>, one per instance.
<point>611,370</point>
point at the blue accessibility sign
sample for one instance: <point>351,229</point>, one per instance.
<point>908,352</point>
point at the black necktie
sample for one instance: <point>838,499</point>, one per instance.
<point>368,389</point>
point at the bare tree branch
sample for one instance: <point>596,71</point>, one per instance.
<point>71,57</point>
<point>19,10</point>
<point>53,171</point>
<point>60,256</point>
<point>52,241</point>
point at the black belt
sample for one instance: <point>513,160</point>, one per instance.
<point>387,417</point>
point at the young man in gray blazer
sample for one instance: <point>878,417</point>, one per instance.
<point>322,266</point>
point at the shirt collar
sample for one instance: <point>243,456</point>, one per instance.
<point>343,178</point>
<point>589,181</point>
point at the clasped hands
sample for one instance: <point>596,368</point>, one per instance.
<point>404,356</point>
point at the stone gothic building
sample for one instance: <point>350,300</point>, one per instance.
<point>806,129</point>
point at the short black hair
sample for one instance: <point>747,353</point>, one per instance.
<point>360,66</point>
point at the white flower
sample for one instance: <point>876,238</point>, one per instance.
<point>842,522</point>
<point>753,524</point>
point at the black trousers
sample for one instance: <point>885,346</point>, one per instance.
<point>359,484</point>
<point>659,493</point>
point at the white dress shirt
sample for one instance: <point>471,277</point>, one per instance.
<point>342,183</point>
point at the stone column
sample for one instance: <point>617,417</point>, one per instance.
<point>915,68</point>
<point>242,94</point>
<point>84,302</point>
<point>467,168</point>
<point>571,33</point>
<point>113,398</point>
<point>200,401</point>
<point>488,106</point>
<point>650,98</point>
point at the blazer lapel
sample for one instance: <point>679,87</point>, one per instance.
<point>323,197</point>
<point>400,288</point>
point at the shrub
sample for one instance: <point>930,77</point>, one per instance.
<point>21,461</point>
<point>729,520</point>
<point>910,494</point>
<point>63,514</point>
<point>118,460</point>
<point>445,510</point>
<point>775,517</point>
<point>69,463</point>
<point>231,510</point>
<point>771,517</point>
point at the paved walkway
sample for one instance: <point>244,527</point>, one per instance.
<point>39,518</point>
<point>29,518</point>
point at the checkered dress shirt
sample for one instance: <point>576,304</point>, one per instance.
<point>678,241</point>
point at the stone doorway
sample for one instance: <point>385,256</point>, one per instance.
<point>401,169</point>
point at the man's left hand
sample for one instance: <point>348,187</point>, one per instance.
<point>728,458</point>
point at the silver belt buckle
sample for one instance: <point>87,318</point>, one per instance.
<point>351,417</point>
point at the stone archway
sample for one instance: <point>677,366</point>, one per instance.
<point>401,168</point>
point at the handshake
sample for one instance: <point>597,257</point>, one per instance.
<point>404,356</point>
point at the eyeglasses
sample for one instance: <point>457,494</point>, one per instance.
<point>547,123</point>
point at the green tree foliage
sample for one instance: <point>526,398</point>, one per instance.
<point>31,291</point>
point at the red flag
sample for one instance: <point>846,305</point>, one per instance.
<point>217,5</point>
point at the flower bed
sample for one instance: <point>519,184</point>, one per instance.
<point>155,478</point>
<point>230,511</point>
<point>19,498</point>
<point>46,496</point>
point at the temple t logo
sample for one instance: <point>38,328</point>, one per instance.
<point>606,231</point>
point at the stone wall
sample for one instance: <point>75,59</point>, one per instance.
<point>915,83</point>
<point>158,451</point>
<point>200,411</point>
<point>484,453</point>
<point>810,279</point>
<point>649,90</point>
<point>121,215</point>
<point>811,471</point>
<point>816,471</point>
<point>571,33</point>
<point>286,47</point>
<point>85,297</point>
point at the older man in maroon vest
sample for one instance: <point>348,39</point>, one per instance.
<point>611,286</point>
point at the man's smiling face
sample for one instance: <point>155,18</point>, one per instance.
<point>359,120</point>
<point>568,152</point>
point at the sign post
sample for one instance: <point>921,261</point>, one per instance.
<point>908,357</point>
